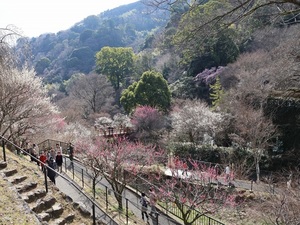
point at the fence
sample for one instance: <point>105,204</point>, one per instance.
<point>94,204</point>
<point>104,192</point>
<point>84,178</point>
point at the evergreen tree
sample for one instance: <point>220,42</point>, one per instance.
<point>216,93</point>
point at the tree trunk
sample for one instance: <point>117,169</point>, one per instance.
<point>119,200</point>
<point>257,171</point>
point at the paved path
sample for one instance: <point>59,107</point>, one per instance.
<point>130,195</point>
<point>132,198</point>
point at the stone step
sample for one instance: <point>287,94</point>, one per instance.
<point>55,211</point>
<point>18,179</point>
<point>34,195</point>
<point>44,204</point>
<point>61,221</point>
<point>82,209</point>
<point>10,172</point>
<point>26,187</point>
<point>3,165</point>
<point>43,216</point>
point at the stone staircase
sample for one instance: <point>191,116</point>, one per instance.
<point>54,207</point>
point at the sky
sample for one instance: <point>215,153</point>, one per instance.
<point>35,17</point>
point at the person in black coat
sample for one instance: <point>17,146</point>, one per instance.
<point>51,171</point>
<point>59,161</point>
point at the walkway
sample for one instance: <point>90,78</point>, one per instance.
<point>133,198</point>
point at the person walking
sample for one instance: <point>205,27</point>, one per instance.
<point>59,161</point>
<point>58,148</point>
<point>153,199</point>
<point>71,153</point>
<point>43,159</point>
<point>227,174</point>
<point>51,170</point>
<point>144,204</point>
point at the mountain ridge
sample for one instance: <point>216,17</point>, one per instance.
<point>57,56</point>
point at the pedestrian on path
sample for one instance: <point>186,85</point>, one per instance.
<point>153,200</point>
<point>227,174</point>
<point>71,153</point>
<point>59,161</point>
<point>51,170</point>
<point>43,159</point>
<point>144,204</point>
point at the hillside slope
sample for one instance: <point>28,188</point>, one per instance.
<point>25,201</point>
<point>57,56</point>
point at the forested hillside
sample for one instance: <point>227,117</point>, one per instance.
<point>58,56</point>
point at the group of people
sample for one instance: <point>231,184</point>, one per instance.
<point>52,158</point>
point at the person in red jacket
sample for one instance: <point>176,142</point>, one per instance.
<point>43,159</point>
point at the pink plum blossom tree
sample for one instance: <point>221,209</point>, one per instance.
<point>118,160</point>
<point>190,191</point>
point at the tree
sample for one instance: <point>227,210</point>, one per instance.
<point>216,93</point>
<point>237,11</point>
<point>192,120</point>
<point>41,65</point>
<point>189,191</point>
<point>254,132</point>
<point>148,123</point>
<point>283,206</point>
<point>151,90</point>
<point>118,160</point>
<point>127,99</point>
<point>93,91</point>
<point>25,107</point>
<point>116,64</point>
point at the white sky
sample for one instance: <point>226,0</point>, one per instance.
<point>35,17</point>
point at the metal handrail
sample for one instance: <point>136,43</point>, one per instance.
<point>62,176</point>
<point>199,221</point>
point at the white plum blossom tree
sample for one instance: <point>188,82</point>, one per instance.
<point>25,108</point>
<point>194,119</point>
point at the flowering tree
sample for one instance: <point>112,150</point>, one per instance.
<point>103,123</point>
<point>117,160</point>
<point>121,121</point>
<point>194,119</point>
<point>148,122</point>
<point>190,191</point>
<point>24,106</point>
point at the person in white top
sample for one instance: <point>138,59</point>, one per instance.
<point>227,173</point>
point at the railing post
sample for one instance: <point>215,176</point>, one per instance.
<point>3,147</point>
<point>126,211</point>
<point>73,172</point>
<point>65,164</point>
<point>106,197</point>
<point>45,175</point>
<point>94,197</point>
<point>82,178</point>
<point>94,213</point>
